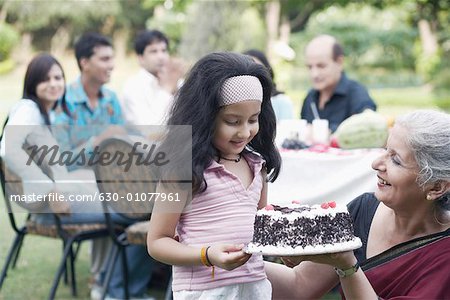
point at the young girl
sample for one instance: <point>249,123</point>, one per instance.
<point>226,100</point>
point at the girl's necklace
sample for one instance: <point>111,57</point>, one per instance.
<point>236,160</point>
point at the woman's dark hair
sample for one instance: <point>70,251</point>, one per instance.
<point>259,55</point>
<point>36,73</point>
<point>198,103</point>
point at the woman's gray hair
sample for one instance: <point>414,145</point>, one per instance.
<point>429,139</point>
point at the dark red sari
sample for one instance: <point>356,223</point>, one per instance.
<point>419,269</point>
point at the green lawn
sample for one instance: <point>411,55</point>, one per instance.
<point>37,264</point>
<point>390,101</point>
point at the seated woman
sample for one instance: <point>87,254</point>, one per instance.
<point>404,225</point>
<point>27,128</point>
<point>43,95</point>
<point>281,103</point>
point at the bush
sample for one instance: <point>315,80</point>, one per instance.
<point>441,84</point>
<point>6,66</point>
<point>440,79</point>
<point>378,41</point>
<point>9,38</point>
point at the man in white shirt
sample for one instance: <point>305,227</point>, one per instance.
<point>147,96</point>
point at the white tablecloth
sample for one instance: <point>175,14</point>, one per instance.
<point>313,178</point>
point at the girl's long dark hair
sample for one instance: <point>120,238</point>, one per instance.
<point>197,104</point>
<point>36,73</point>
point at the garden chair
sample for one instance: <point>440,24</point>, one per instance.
<point>71,235</point>
<point>113,178</point>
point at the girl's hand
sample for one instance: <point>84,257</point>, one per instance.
<point>341,260</point>
<point>228,256</point>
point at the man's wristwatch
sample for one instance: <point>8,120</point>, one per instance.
<point>345,273</point>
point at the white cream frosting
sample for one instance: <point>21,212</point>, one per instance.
<point>314,211</point>
<point>308,250</point>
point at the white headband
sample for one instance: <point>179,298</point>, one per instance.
<point>241,88</point>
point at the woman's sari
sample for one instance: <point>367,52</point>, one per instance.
<point>416,269</point>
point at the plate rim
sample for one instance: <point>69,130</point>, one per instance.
<point>356,244</point>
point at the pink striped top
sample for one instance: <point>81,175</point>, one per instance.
<point>224,213</point>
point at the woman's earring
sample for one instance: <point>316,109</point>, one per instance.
<point>429,198</point>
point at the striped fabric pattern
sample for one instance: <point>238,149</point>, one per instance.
<point>223,214</point>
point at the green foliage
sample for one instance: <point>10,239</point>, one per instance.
<point>412,97</point>
<point>43,20</point>
<point>441,82</point>
<point>171,23</point>
<point>373,40</point>
<point>370,37</point>
<point>221,26</point>
<point>7,66</point>
<point>176,5</point>
<point>133,17</point>
<point>34,14</point>
<point>427,65</point>
<point>298,12</point>
<point>8,39</point>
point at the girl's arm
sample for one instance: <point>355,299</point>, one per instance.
<point>263,199</point>
<point>163,246</point>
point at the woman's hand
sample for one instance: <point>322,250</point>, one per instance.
<point>341,260</point>
<point>228,256</point>
<point>59,207</point>
<point>292,261</point>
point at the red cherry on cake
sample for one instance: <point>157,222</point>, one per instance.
<point>324,205</point>
<point>295,201</point>
<point>269,207</point>
<point>332,204</point>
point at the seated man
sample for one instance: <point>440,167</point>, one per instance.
<point>148,95</point>
<point>333,97</point>
<point>94,115</point>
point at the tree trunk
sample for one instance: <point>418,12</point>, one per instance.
<point>24,50</point>
<point>285,31</point>
<point>120,38</point>
<point>272,20</point>
<point>427,38</point>
<point>4,11</point>
<point>60,41</point>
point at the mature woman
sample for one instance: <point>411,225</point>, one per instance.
<point>404,225</point>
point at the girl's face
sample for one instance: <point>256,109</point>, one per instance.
<point>397,173</point>
<point>52,88</point>
<point>236,125</point>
